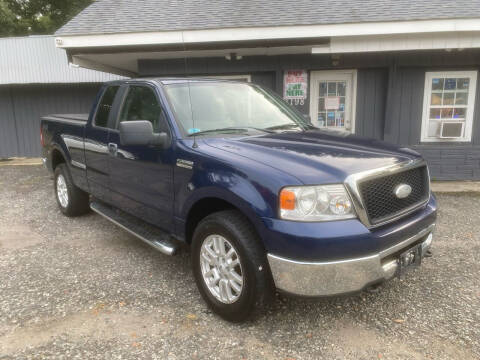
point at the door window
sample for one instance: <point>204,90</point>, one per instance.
<point>331,103</point>
<point>141,103</point>
<point>332,99</point>
<point>105,105</point>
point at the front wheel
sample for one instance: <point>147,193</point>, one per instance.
<point>230,266</point>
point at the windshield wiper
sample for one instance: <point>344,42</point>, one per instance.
<point>284,127</point>
<point>230,130</point>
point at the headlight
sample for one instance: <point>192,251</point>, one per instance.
<point>315,203</point>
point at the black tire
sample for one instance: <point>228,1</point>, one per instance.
<point>257,287</point>
<point>77,199</point>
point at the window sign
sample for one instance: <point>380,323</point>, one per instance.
<point>295,86</point>
<point>332,103</point>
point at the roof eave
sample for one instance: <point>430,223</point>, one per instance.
<point>266,33</point>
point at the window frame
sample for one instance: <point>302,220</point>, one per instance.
<point>470,107</point>
<point>94,120</point>
<point>127,87</point>
<point>326,75</point>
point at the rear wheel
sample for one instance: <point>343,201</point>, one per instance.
<point>71,200</point>
<point>230,266</point>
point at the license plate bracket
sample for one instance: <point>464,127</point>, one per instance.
<point>409,259</point>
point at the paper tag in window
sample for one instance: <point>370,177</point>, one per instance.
<point>332,103</point>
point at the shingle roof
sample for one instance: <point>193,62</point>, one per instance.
<point>36,60</point>
<point>115,16</point>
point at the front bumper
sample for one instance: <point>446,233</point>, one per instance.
<point>342,276</point>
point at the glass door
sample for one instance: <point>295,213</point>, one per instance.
<point>332,99</point>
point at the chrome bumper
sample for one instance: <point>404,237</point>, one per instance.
<point>344,276</point>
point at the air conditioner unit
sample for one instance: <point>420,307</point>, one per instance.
<point>451,129</point>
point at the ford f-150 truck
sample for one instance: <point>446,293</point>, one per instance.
<point>264,199</point>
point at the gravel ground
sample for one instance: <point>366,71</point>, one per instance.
<point>82,289</point>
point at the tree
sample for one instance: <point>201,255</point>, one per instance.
<point>32,17</point>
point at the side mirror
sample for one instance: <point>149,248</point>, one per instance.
<point>140,132</point>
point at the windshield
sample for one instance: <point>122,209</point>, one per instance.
<point>216,107</point>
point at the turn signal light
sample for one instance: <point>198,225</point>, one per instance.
<point>287,200</point>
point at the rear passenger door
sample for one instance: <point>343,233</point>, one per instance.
<point>97,134</point>
<point>142,176</point>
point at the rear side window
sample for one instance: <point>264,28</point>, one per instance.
<point>103,111</point>
<point>141,103</point>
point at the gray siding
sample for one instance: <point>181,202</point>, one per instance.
<point>22,106</point>
<point>452,162</point>
<point>447,161</point>
<point>371,100</point>
<point>8,129</point>
<point>403,122</point>
<point>268,71</point>
<point>36,60</point>
<point>389,95</point>
<point>266,79</point>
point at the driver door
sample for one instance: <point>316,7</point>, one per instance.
<point>141,176</point>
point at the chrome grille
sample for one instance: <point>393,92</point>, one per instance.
<point>380,201</point>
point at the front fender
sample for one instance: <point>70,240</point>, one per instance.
<point>250,187</point>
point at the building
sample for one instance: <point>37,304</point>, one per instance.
<point>397,70</point>
<point>35,80</point>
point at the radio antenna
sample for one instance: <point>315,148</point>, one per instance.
<point>194,129</point>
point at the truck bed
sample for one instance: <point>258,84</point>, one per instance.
<point>65,133</point>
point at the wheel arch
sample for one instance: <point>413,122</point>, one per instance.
<point>57,158</point>
<point>209,204</point>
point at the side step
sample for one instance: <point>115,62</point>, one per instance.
<point>149,234</point>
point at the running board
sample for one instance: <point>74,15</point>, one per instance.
<point>149,234</point>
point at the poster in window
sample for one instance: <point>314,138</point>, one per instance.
<point>332,103</point>
<point>295,86</point>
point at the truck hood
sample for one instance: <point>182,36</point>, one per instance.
<point>315,156</point>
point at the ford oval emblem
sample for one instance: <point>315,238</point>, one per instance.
<point>402,191</point>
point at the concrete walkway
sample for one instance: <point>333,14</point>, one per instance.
<point>437,186</point>
<point>20,161</point>
<point>456,186</point>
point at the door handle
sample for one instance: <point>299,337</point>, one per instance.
<point>112,149</point>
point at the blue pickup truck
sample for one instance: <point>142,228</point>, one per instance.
<point>264,200</point>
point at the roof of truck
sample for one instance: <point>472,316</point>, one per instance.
<point>175,80</point>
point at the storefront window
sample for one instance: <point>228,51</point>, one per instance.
<point>448,106</point>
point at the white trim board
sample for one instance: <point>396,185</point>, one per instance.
<point>423,41</point>
<point>263,33</point>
